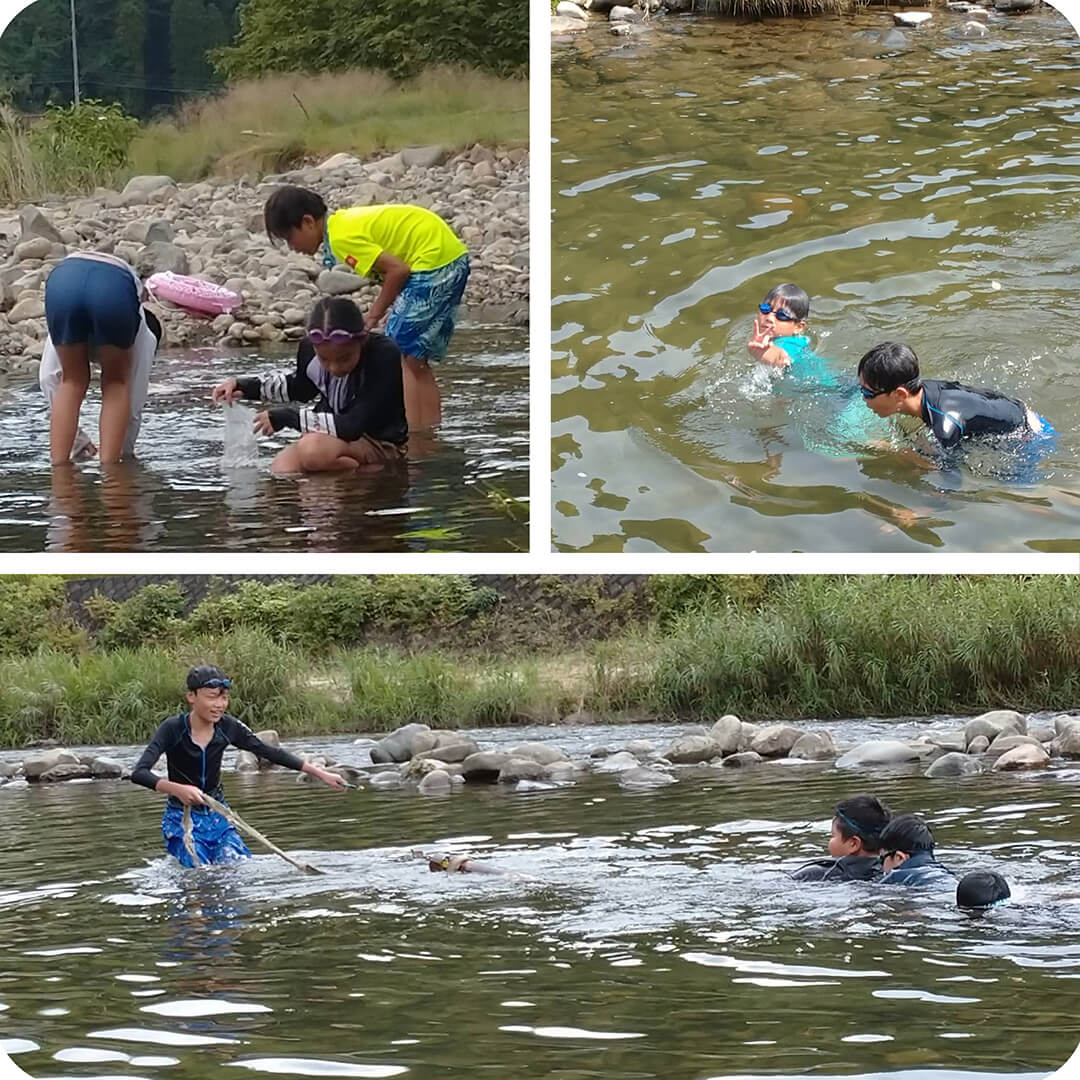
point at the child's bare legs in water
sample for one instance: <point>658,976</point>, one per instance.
<point>116,369</point>
<point>423,401</point>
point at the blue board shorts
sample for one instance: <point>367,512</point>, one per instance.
<point>91,302</point>
<point>421,320</point>
<point>216,841</point>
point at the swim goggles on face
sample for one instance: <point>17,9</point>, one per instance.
<point>780,313</point>
<point>332,337</point>
<point>869,395</point>
<point>216,684</point>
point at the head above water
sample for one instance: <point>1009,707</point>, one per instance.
<point>336,330</point>
<point>890,379</point>
<point>981,890</point>
<point>857,826</point>
<point>903,837</point>
<point>785,310</point>
<point>208,692</point>
<point>296,215</point>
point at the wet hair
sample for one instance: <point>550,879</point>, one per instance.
<point>907,833</point>
<point>336,313</point>
<point>796,300</point>
<point>889,365</point>
<point>287,207</point>
<point>201,674</point>
<point>154,324</point>
<point>862,816</point>
<point>981,889</point>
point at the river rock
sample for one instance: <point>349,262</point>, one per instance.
<point>813,746</point>
<point>519,768</point>
<point>1064,720</point>
<point>1031,756</point>
<point>968,30</point>
<point>623,14</point>
<point>34,222</point>
<point>642,777</point>
<point>979,745</point>
<point>1013,7</point>
<point>749,734</point>
<point>67,771</point>
<point>404,743</point>
<point>992,724</point>
<point>776,740</point>
<point>912,19</point>
<point>692,750</point>
<point>34,767</point>
<point>877,752</point>
<point>1041,733</point>
<point>339,282</point>
<point>618,762</point>
<point>420,766</point>
<point>642,749</point>
<point>569,10</point>
<point>1006,742</point>
<point>541,753</point>
<point>437,782</point>
<point>337,161</point>
<point>560,772</point>
<point>950,741</point>
<point>160,257</point>
<point>146,185</point>
<point>1067,743</point>
<point>727,734</point>
<point>37,247</point>
<point>424,157</point>
<point>954,763</point>
<point>453,752</point>
<point>29,307</point>
<point>484,767</point>
<point>7,771</point>
<point>246,761</point>
<point>742,759</point>
<point>385,781</point>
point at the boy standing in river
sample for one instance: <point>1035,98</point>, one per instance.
<point>423,265</point>
<point>193,744</point>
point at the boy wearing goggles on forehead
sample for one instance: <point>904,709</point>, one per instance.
<point>853,843</point>
<point>193,744</point>
<point>353,377</point>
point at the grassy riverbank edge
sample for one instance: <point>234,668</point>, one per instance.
<point>366,655</point>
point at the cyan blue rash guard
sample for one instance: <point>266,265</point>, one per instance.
<point>369,401</point>
<point>806,365</point>
<point>953,412</point>
<point>919,870</point>
<point>191,764</point>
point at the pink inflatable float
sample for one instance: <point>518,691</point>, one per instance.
<point>192,293</point>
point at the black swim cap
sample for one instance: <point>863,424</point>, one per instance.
<point>207,675</point>
<point>981,889</point>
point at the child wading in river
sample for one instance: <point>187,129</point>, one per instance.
<point>353,376</point>
<point>423,265</point>
<point>193,744</point>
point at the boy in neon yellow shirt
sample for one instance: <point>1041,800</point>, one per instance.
<point>423,265</point>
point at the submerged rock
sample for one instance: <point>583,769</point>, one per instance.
<point>541,753</point>
<point>813,746</point>
<point>437,782</point>
<point>954,763</point>
<point>742,759</point>
<point>618,763</point>
<point>878,752</point>
<point>642,777</point>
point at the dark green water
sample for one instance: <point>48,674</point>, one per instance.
<point>657,937</point>
<point>923,188</point>
<point>177,497</point>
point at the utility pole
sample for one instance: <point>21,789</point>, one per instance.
<point>75,53</point>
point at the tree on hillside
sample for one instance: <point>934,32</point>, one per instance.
<point>387,35</point>
<point>197,27</point>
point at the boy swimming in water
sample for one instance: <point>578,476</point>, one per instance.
<point>982,890</point>
<point>892,385</point>
<point>193,744</point>
<point>779,337</point>
<point>423,265</point>
<point>853,843</point>
<point>907,854</point>
<point>354,377</point>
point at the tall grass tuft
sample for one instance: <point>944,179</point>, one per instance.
<point>273,123</point>
<point>22,174</point>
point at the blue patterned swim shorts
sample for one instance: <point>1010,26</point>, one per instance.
<point>421,319</point>
<point>216,841</point>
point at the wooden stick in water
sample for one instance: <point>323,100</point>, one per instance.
<point>234,818</point>
<point>189,836</point>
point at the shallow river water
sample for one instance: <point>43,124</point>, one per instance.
<point>451,496</point>
<point>921,186</point>
<point>649,935</point>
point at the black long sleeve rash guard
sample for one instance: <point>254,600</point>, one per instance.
<point>189,763</point>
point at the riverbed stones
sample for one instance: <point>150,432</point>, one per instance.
<point>954,763</point>
<point>29,307</point>
<point>455,752</point>
<point>775,740</point>
<point>437,782</point>
<point>560,772</point>
<point>424,157</point>
<point>385,781</point>
<point>727,733</point>
<point>642,778</point>
<point>692,750</point>
<point>541,753</point>
<point>1022,757</point>
<point>484,767</point>
<point>620,14</point>
<point>404,743</point>
<point>246,761</point>
<point>1013,7</point>
<point>161,257</point>
<point>813,746</point>
<point>992,724</point>
<point>77,770</point>
<point>617,762</point>
<point>339,282</point>
<point>911,19</point>
<point>877,752</point>
<point>570,10</point>
<point>37,247</point>
<point>33,221</point>
<point>642,749</point>
<point>144,186</point>
<point>949,741</point>
<point>1067,742</point>
<point>979,745</point>
<point>7,771</point>
<point>742,759</point>
<point>38,764</point>
<point>519,768</point>
<point>1005,742</point>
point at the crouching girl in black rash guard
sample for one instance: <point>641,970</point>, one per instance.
<point>193,744</point>
<point>354,378</point>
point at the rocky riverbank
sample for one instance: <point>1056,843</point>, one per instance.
<point>437,762</point>
<point>214,229</point>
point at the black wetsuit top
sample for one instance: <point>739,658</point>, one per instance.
<point>953,412</point>
<point>846,868</point>
<point>368,401</point>
<point>189,763</point>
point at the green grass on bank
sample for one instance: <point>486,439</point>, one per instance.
<point>362,654</point>
<point>270,124</point>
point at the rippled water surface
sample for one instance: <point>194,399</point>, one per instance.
<point>645,935</point>
<point>452,495</point>
<point>921,186</point>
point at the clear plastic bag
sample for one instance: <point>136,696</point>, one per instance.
<point>241,449</point>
